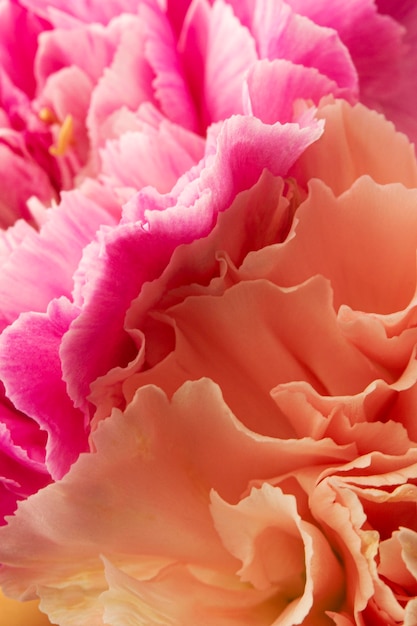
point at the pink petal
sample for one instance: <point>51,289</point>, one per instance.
<point>171,89</point>
<point>68,92</point>
<point>225,70</point>
<point>192,46</point>
<point>164,154</point>
<point>22,455</point>
<point>19,31</point>
<point>375,43</point>
<point>289,82</point>
<point>40,392</point>
<point>93,11</point>
<point>282,33</point>
<point>138,252</point>
<point>61,48</point>
<point>125,83</point>
<point>59,244</point>
<point>24,179</point>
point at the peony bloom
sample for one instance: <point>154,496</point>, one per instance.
<point>252,387</point>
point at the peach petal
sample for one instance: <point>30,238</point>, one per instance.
<point>166,599</point>
<point>160,472</point>
<point>336,521</point>
<point>282,344</point>
<point>410,617</point>
<point>369,419</point>
<point>347,151</point>
<point>387,339</point>
<point>392,565</point>
<point>408,542</point>
<point>366,214</point>
<point>280,550</point>
<point>144,474</point>
<point>373,510</point>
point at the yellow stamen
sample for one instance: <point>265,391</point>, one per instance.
<point>48,116</point>
<point>65,137</point>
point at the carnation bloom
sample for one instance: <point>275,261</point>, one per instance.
<point>75,98</point>
<point>110,99</point>
<point>219,312</point>
<point>253,449</point>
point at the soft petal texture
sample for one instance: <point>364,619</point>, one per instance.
<point>47,401</point>
<point>59,244</point>
<point>208,341</point>
<point>192,214</point>
<point>352,147</point>
<point>165,480</point>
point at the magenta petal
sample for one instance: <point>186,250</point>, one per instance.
<point>171,89</point>
<point>93,10</point>
<point>19,30</point>
<point>24,179</point>
<point>133,253</point>
<point>281,33</point>
<point>373,40</point>
<point>35,384</point>
<point>22,457</point>
<point>192,46</point>
<point>176,11</point>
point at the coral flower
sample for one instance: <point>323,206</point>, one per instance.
<point>253,455</point>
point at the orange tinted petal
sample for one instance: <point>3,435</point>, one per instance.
<point>15,613</point>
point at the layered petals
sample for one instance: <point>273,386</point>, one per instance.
<point>208,362</point>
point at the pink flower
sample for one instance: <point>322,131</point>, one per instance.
<point>253,449</point>
<point>89,74</point>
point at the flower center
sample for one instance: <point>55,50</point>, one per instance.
<point>65,133</point>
